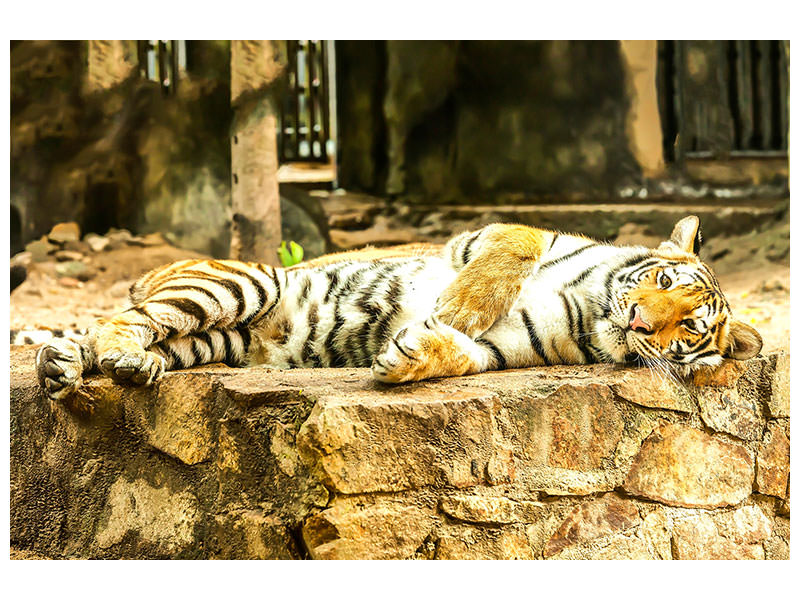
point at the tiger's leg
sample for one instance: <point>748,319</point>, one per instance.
<point>492,263</point>
<point>227,346</point>
<point>191,298</point>
<point>433,349</point>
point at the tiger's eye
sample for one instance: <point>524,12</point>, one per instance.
<point>664,281</point>
<point>689,324</point>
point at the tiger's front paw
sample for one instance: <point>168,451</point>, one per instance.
<point>59,368</point>
<point>422,351</point>
<point>136,367</point>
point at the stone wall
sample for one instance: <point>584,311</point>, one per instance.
<point>585,462</point>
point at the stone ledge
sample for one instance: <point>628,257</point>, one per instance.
<point>557,462</point>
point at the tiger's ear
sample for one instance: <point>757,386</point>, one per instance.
<point>743,341</point>
<point>686,235</point>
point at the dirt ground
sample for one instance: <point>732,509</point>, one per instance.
<point>753,271</point>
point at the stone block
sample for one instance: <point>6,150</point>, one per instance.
<point>680,466</point>
<point>772,463</point>
<point>492,510</point>
<point>778,400</point>
<point>367,529</point>
<point>487,544</point>
<point>731,536</point>
<point>594,519</point>
<point>406,438</point>
<point>65,232</point>
<point>177,420</point>
<point>642,387</point>
<point>155,515</point>
<point>724,409</point>
<point>726,375</point>
<point>252,534</point>
<point>564,440</point>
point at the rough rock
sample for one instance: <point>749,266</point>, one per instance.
<point>680,466</point>
<point>646,389</point>
<point>176,421</point>
<point>76,269</point>
<point>778,400</point>
<point>498,544</point>
<point>564,438</point>
<point>772,463</point>
<point>216,462</point>
<point>355,528</point>
<point>415,436</point>
<point>493,510</point>
<point>67,255</point>
<point>96,243</point>
<point>726,410</point>
<point>158,516</point>
<point>726,375</point>
<point>736,535</point>
<point>40,249</point>
<point>593,519</point>
<point>65,232</point>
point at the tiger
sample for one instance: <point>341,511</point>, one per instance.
<point>505,296</point>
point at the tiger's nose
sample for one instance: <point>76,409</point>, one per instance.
<point>637,323</point>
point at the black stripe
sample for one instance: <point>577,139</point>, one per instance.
<point>232,286</point>
<point>706,353</point>
<point>177,361</point>
<point>229,358</point>
<point>207,339</point>
<point>189,287</point>
<point>308,354</point>
<point>703,344</point>
<point>244,334</point>
<point>335,359</point>
<point>257,285</point>
<point>198,356</point>
<point>305,290</point>
<point>187,306</point>
<point>536,343</point>
<point>580,277</point>
<point>403,352</point>
<point>333,279</point>
<point>553,243</point>
<point>499,359</point>
<point>466,254</point>
<point>566,257</point>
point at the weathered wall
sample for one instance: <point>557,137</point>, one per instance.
<point>467,120</point>
<point>590,462</point>
<point>122,155</point>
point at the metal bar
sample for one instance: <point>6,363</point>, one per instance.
<point>162,67</point>
<point>173,78</point>
<point>312,97</point>
<point>297,92</point>
<point>330,109</point>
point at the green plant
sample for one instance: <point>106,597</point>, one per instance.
<point>291,255</point>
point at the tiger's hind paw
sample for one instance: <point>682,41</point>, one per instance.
<point>59,368</point>
<point>138,368</point>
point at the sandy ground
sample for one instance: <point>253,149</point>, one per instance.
<point>756,287</point>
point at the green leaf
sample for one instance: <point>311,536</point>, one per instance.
<point>291,255</point>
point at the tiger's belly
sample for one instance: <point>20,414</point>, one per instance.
<point>341,314</point>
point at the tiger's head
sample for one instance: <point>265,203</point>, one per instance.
<point>672,312</point>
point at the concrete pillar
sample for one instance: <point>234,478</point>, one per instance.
<point>256,70</point>
<point>643,126</point>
